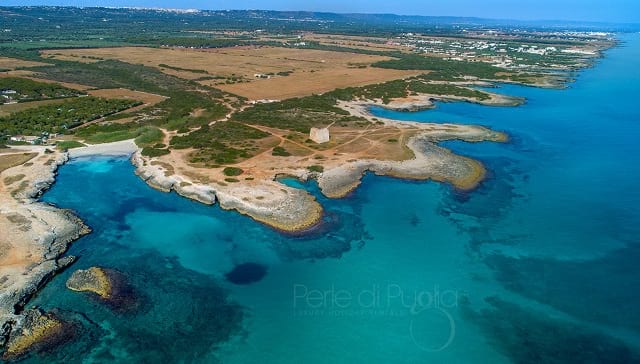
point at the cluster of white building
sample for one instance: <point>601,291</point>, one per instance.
<point>501,54</point>
<point>32,139</point>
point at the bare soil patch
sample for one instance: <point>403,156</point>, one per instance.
<point>13,63</point>
<point>11,160</point>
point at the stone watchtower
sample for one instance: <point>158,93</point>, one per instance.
<point>319,135</point>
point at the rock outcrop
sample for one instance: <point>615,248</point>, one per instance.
<point>93,280</point>
<point>106,285</point>
<point>39,331</point>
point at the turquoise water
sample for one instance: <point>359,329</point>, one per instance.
<point>539,264</point>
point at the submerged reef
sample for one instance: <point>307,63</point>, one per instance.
<point>530,336</point>
<point>107,285</point>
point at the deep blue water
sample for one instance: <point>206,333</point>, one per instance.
<point>539,264</point>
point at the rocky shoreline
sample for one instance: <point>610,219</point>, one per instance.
<point>424,102</point>
<point>269,202</point>
<point>35,238</point>
<point>431,163</point>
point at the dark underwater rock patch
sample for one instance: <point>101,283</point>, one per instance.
<point>246,273</point>
<point>529,337</point>
<point>338,233</point>
<point>603,290</point>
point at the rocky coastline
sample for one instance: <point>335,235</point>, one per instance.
<point>431,162</point>
<point>420,102</point>
<point>35,238</point>
<point>269,202</point>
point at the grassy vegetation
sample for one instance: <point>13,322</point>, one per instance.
<point>220,143</point>
<point>190,42</point>
<point>86,26</point>
<point>337,48</point>
<point>401,88</point>
<point>176,112</point>
<point>223,131</point>
<point>149,136</point>
<point>111,74</point>
<point>111,132</point>
<point>154,152</point>
<point>69,144</point>
<point>61,117</point>
<point>445,89</point>
<point>29,90</point>
<point>299,114</point>
<point>442,69</point>
<point>384,91</point>
<point>162,65</point>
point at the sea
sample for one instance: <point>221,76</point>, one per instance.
<point>539,264</point>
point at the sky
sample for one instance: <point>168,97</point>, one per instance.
<point>615,11</point>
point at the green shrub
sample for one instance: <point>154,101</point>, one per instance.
<point>108,133</point>
<point>232,171</point>
<point>316,168</point>
<point>443,69</point>
<point>220,143</point>
<point>150,135</point>
<point>154,152</point>
<point>280,152</point>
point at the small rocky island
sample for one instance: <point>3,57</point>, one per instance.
<point>106,285</point>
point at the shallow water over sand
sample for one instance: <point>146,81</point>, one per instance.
<point>404,272</point>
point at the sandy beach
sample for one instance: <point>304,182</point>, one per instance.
<point>125,147</point>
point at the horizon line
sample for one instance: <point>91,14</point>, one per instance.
<point>601,22</point>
